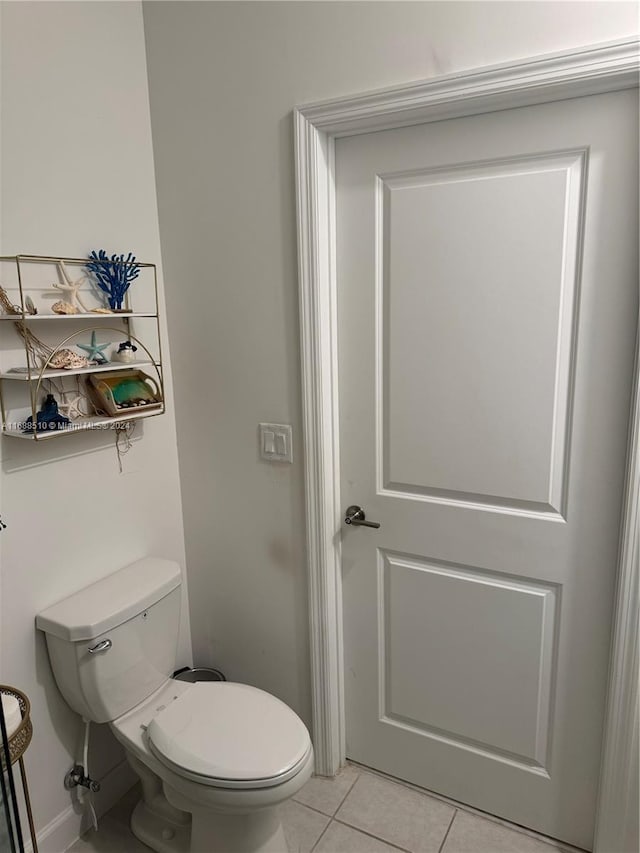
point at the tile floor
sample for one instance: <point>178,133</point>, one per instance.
<point>357,812</point>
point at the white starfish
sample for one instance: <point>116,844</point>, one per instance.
<point>73,403</point>
<point>72,409</point>
<point>71,287</point>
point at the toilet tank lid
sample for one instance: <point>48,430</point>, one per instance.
<point>111,601</point>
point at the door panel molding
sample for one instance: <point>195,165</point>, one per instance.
<point>585,71</point>
<point>526,674</point>
<point>569,169</point>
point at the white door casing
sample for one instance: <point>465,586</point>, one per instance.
<point>586,71</point>
<point>484,384</point>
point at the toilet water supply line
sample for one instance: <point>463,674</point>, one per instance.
<point>84,793</point>
<point>78,776</point>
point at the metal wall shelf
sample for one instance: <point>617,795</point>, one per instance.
<point>112,315</point>
<point>96,422</point>
<point>49,373</point>
<point>34,377</point>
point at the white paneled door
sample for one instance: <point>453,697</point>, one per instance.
<point>487,306</point>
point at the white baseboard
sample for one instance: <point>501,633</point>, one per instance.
<point>65,829</point>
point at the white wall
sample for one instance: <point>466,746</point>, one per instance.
<point>223,80</point>
<point>77,174</point>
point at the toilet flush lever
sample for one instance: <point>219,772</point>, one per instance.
<point>102,646</point>
<point>355,515</point>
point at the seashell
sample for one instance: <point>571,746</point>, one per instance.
<point>101,311</point>
<point>67,360</point>
<point>64,308</point>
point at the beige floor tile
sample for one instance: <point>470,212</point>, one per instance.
<point>343,839</point>
<point>396,814</point>
<point>111,837</point>
<point>324,794</point>
<point>472,834</point>
<point>302,826</point>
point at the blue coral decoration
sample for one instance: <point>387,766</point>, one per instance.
<point>113,275</point>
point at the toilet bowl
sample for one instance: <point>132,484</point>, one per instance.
<point>227,754</point>
<point>215,759</point>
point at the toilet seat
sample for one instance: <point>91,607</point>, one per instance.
<point>229,735</point>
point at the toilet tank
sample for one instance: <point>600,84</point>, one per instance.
<point>137,609</point>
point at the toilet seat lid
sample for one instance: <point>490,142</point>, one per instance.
<point>230,732</point>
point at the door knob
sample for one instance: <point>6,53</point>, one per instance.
<point>355,515</point>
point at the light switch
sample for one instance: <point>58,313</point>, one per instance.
<point>268,442</point>
<point>276,443</point>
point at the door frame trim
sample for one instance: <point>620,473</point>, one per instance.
<point>584,71</point>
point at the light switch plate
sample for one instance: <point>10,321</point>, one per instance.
<point>276,442</point>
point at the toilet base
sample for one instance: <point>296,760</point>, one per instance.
<point>155,821</point>
<point>210,832</point>
<point>256,832</point>
<point>160,834</point>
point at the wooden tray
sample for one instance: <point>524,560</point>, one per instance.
<point>102,389</point>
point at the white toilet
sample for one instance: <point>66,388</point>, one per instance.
<point>215,758</point>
